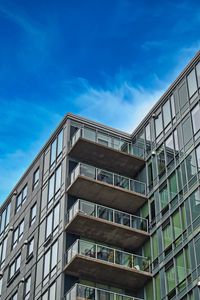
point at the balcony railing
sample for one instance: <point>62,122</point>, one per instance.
<point>83,292</point>
<point>109,214</point>
<point>108,177</point>
<point>111,255</point>
<point>107,140</point>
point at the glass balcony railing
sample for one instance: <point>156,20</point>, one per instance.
<point>107,140</point>
<point>108,177</point>
<point>109,214</point>
<point>111,255</point>
<point>83,292</point>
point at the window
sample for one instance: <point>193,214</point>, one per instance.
<point>50,262</point>
<point>180,266</point>
<point>14,267</point>
<point>176,220</point>
<point>196,119</point>
<point>5,217</point>
<point>195,204</point>
<point>148,138</point>
<point>1,279</point>
<point>173,185</point>
<point>36,178</point>
<point>30,247</point>
<point>158,125</point>
<point>155,245</point>
<point>161,162</point>
<point>197,248</point>
<point>33,214</point>
<point>27,288</point>
<point>170,277</point>
<point>198,157</point>
<point>187,132</point>
<point>198,74</point>
<point>169,148</point>
<point>166,114</point>
<point>191,167</point>
<point>150,175</point>
<point>183,100</point>
<point>167,235</point>
<point>56,148</point>
<point>3,245</point>
<point>54,184</point>
<point>192,83</point>
<point>14,297</point>
<point>21,198</point>
<point>50,294</point>
<point>163,197</point>
<point>52,221</point>
<point>18,234</point>
<point>173,106</point>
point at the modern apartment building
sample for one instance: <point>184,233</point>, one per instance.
<point>105,215</point>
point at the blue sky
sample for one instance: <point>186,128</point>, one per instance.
<point>107,60</point>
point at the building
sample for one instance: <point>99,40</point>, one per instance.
<point>104,215</point>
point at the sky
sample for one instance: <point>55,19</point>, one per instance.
<point>106,60</point>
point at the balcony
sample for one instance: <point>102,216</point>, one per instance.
<point>106,151</point>
<point>90,261</point>
<point>83,292</point>
<point>106,188</point>
<point>106,225</point>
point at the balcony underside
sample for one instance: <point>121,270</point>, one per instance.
<point>107,158</point>
<point>106,273</point>
<point>107,232</point>
<point>105,194</point>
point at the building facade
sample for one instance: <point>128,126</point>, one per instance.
<point>104,215</point>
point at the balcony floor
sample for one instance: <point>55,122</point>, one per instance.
<point>105,194</point>
<point>106,273</point>
<point>106,158</point>
<point>107,232</point>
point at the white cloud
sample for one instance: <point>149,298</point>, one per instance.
<point>121,105</point>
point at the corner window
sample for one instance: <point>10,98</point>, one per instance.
<point>158,125</point>
<point>50,294</point>
<point>192,83</point>
<point>14,267</point>
<point>166,114</point>
<point>54,184</point>
<point>4,219</point>
<point>198,74</point>
<point>187,133</point>
<point>56,148</point>
<point>18,234</point>
<point>36,178</point>
<point>52,221</point>
<point>21,198</point>
<point>33,214</point>
<point>50,262</point>
<point>30,247</point>
<point>196,118</point>
<point>3,246</point>
<point>183,99</point>
<point>27,288</point>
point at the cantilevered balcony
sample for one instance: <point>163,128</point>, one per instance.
<point>106,188</point>
<point>83,292</point>
<point>106,151</point>
<point>106,225</point>
<point>90,261</point>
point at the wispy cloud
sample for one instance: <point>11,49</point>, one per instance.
<point>121,104</point>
